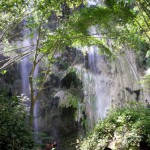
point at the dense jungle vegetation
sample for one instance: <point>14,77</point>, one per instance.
<point>124,128</point>
<point>126,22</point>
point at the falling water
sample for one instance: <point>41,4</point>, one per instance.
<point>96,81</point>
<point>25,63</point>
<point>25,69</point>
<point>100,83</point>
<point>96,85</point>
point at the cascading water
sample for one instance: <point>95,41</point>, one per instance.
<point>100,82</point>
<point>25,69</point>
<point>96,85</point>
<point>25,64</point>
<point>96,82</point>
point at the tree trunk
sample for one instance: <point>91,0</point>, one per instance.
<point>32,102</point>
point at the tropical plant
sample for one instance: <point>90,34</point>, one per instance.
<point>14,132</point>
<point>125,128</point>
<point>125,23</point>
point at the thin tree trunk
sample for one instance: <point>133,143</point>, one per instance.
<point>31,78</point>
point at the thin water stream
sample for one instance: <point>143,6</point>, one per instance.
<point>25,69</point>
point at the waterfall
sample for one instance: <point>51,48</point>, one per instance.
<point>24,68</point>
<point>100,83</point>
<point>96,81</point>
<point>26,65</point>
<point>96,85</point>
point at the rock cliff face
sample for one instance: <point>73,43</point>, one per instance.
<point>109,84</point>
<point>86,89</point>
<point>81,89</point>
<point>127,79</point>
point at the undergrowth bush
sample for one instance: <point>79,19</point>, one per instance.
<point>14,133</point>
<point>123,129</point>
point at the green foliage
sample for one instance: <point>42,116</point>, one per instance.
<point>143,58</point>
<point>136,33</point>
<point>14,133</point>
<point>69,101</point>
<point>146,79</point>
<point>125,22</point>
<point>123,129</point>
<point>3,72</point>
<point>106,18</point>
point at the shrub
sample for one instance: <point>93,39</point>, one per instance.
<point>14,133</point>
<point>122,129</point>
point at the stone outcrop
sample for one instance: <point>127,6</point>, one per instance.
<point>80,91</point>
